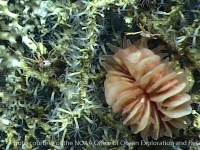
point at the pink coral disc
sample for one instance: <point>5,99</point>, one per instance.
<point>148,92</point>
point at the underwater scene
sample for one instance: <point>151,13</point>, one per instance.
<point>100,75</point>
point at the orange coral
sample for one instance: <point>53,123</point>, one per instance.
<point>150,94</point>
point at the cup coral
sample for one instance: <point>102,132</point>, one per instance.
<point>147,90</point>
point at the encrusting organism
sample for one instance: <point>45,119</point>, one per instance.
<point>148,92</point>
